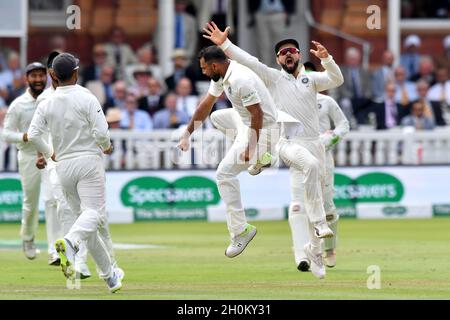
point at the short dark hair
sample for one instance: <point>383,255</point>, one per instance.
<point>309,66</point>
<point>212,54</point>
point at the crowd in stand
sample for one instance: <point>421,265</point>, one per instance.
<point>410,90</point>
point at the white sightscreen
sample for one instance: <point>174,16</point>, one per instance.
<point>13,16</point>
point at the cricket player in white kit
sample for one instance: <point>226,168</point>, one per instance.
<point>79,134</point>
<point>64,213</point>
<point>255,107</point>
<point>329,113</point>
<point>295,93</point>
<point>333,127</point>
<point>17,122</point>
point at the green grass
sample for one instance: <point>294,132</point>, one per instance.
<point>413,256</point>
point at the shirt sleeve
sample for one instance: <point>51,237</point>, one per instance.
<point>99,126</point>
<point>11,132</point>
<point>341,123</point>
<point>330,78</point>
<point>37,129</point>
<point>248,94</point>
<point>266,73</point>
<point>215,88</point>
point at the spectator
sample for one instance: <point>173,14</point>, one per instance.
<point>154,100</point>
<point>405,91</point>
<point>185,35</point>
<point>355,94</point>
<point>119,94</point>
<point>186,101</point>
<point>93,71</point>
<point>103,88</point>
<point>58,43</point>
<point>418,119</point>
<point>383,75</point>
<point>444,59</point>
<point>145,58</point>
<point>272,19</point>
<point>410,58</point>
<point>12,81</point>
<point>181,70</point>
<point>132,118</point>
<point>4,53</point>
<point>426,71</point>
<point>170,117</point>
<point>388,113</point>
<point>113,117</point>
<point>141,75</point>
<point>431,108</point>
<point>441,90</point>
<point>219,11</point>
<point>119,54</point>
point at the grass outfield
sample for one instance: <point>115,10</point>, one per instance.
<point>413,255</point>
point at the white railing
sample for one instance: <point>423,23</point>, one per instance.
<point>157,149</point>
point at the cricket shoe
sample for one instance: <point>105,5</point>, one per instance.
<point>317,266</point>
<point>322,230</point>
<point>53,259</point>
<point>67,256</point>
<point>330,258</point>
<point>114,282</point>
<point>239,242</point>
<point>261,164</point>
<point>29,249</point>
<point>120,273</point>
<point>303,266</point>
<point>82,271</point>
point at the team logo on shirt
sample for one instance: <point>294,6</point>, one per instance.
<point>305,80</point>
<point>319,105</point>
<point>229,90</point>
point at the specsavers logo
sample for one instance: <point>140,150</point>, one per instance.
<point>10,194</point>
<point>370,187</point>
<point>154,192</point>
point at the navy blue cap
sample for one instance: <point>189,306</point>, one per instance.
<point>51,57</point>
<point>35,66</point>
<point>64,65</point>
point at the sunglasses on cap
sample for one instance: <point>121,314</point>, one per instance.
<point>285,51</point>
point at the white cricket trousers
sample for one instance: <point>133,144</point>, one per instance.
<point>83,182</point>
<point>305,158</point>
<point>231,165</point>
<point>298,218</point>
<point>31,178</point>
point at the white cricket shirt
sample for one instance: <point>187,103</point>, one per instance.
<point>17,121</point>
<point>295,96</point>
<point>76,123</point>
<point>330,113</point>
<point>244,88</point>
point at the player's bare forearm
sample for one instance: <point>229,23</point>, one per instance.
<point>256,124</point>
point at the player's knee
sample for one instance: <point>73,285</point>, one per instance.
<point>332,216</point>
<point>312,167</point>
<point>295,208</point>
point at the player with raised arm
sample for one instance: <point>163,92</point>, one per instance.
<point>300,148</point>
<point>255,107</point>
